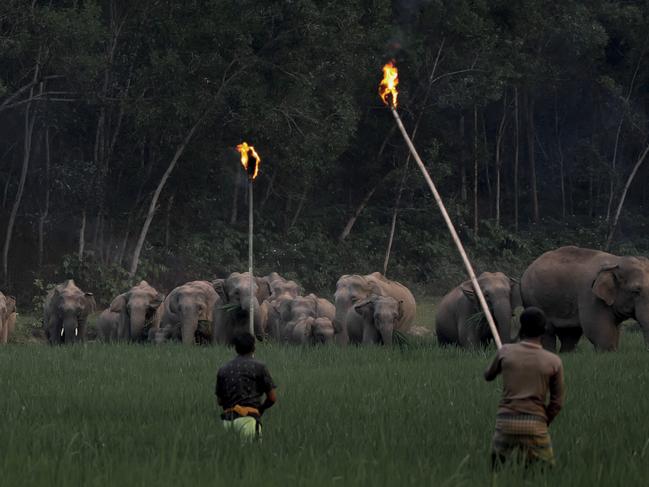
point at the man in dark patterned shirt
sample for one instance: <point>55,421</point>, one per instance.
<point>240,387</point>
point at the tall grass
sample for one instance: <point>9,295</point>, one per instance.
<point>135,415</point>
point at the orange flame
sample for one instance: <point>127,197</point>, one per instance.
<point>247,150</point>
<point>388,87</point>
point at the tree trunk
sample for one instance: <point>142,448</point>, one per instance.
<point>299,209</point>
<point>6,190</point>
<point>562,172</point>
<point>395,212</point>
<point>154,200</point>
<point>269,191</point>
<point>463,192</point>
<point>235,198</point>
<point>359,209</point>
<point>499,140</point>
<point>27,149</point>
<point>475,172</point>
<point>531,157</point>
<point>485,156</point>
<point>82,236</point>
<point>170,205</point>
<point>516,153</point>
<point>629,180</point>
<point>43,218</point>
<point>611,194</point>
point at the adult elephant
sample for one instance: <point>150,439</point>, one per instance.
<point>133,315</point>
<point>352,289</point>
<point>281,287</point>
<point>65,313</point>
<point>585,291</point>
<point>188,313</point>
<point>7,317</point>
<point>308,320</point>
<point>502,295</point>
<point>275,307</point>
<point>232,311</point>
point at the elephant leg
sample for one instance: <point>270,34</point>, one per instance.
<point>569,338</point>
<point>54,327</point>
<point>468,335</point>
<point>370,334</point>
<point>600,328</point>
<point>549,341</point>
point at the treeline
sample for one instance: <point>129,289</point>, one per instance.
<point>119,122</point>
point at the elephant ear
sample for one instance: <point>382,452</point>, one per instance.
<point>467,289</point>
<point>365,308</point>
<point>119,303</point>
<point>219,287</point>
<point>605,286</point>
<point>516,297</point>
<point>91,305</point>
<point>157,300</point>
<point>263,289</point>
<point>11,304</point>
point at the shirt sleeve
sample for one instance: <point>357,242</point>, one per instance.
<point>266,383</point>
<point>494,369</point>
<point>557,392</point>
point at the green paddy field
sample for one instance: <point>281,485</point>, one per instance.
<point>129,415</point>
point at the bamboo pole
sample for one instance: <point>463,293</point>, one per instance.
<point>250,263</point>
<point>451,227</point>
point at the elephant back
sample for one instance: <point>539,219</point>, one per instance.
<point>385,287</point>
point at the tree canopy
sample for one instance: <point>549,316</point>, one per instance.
<point>120,120</point>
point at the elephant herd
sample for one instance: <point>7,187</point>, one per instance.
<point>367,310</point>
<point>582,291</point>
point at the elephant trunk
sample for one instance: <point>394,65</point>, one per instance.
<point>70,328</point>
<point>137,324</point>
<point>386,332</point>
<point>502,313</point>
<point>189,324</point>
<point>258,322</point>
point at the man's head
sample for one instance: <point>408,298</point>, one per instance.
<point>244,343</point>
<point>532,323</point>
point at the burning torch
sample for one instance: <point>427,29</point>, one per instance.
<point>388,93</point>
<point>250,161</point>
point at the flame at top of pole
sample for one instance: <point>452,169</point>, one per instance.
<point>388,86</point>
<point>246,152</point>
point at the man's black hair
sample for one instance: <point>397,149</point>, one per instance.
<point>532,322</point>
<point>244,343</point>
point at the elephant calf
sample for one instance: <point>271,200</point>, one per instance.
<point>307,320</point>
<point>65,313</point>
<point>362,324</point>
<point>502,295</point>
<point>7,317</point>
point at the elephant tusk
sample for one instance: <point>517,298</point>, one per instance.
<point>76,332</point>
<point>61,331</point>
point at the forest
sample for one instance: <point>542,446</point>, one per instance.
<point>119,122</point>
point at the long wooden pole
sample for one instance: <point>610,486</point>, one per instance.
<point>451,227</point>
<point>250,266</point>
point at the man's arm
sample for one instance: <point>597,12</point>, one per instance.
<point>494,369</point>
<point>557,391</point>
<point>271,398</point>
